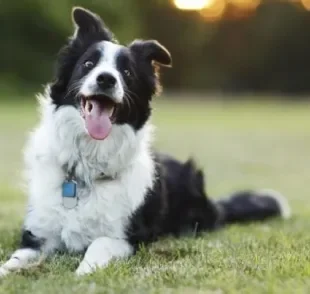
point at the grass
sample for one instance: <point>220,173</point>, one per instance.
<point>241,144</point>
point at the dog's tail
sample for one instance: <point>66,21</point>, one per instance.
<point>251,205</point>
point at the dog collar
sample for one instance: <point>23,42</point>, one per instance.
<point>69,187</point>
<point>70,184</point>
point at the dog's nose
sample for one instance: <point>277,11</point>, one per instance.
<point>106,81</point>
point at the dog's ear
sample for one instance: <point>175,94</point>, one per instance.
<point>152,51</point>
<point>87,22</point>
<point>89,29</point>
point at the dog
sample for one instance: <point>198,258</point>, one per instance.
<point>95,186</point>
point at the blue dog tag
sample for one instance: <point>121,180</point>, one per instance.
<point>69,196</point>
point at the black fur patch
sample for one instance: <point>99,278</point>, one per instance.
<point>30,241</point>
<point>176,205</point>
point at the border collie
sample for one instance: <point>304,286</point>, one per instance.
<point>94,183</point>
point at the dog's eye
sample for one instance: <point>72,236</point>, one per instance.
<point>88,64</point>
<point>127,72</point>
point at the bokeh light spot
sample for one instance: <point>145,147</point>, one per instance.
<point>214,11</point>
<point>191,4</point>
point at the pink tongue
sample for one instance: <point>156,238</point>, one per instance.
<point>98,123</point>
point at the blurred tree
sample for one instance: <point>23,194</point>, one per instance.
<point>263,51</point>
<point>272,51</point>
<point>33,31</point>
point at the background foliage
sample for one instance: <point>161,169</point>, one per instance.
<point>267,50</point>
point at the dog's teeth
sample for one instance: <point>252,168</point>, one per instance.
<point>111,111</point>
<point>87,106</point>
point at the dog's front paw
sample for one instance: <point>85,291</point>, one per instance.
<point>3,272</point>
<point>84,269</point>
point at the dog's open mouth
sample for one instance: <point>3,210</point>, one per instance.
<point>99,113</point>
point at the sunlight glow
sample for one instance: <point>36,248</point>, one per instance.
<point>306,4</point>
<point>246,4</point>
<point>192,4</point>
<point>214,11</point>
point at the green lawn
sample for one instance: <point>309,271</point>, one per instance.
<point>239,145</point>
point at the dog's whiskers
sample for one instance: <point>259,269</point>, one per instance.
<point>75,86</point>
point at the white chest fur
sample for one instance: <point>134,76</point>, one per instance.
<point>104,206</point>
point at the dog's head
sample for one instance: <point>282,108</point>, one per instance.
<point>107,83</point>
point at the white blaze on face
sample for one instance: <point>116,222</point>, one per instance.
<point>106,64</point>
<point>98,101</point>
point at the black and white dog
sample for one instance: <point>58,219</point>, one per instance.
<point>94,183</point>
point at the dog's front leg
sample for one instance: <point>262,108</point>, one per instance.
<point>32,252</point>
<point>20,259</point>
<point>101,252</point>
